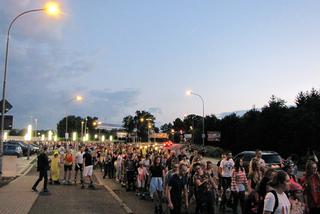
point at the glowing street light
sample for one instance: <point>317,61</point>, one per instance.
<point>76,98</point>
<point>103,138</point>
<point>28,137</point>
<point>51,9</point>
<point>42,137</point>
<point>189,93</point>
<point>74,136</point>
<point>5,136</point>
<point>50,135</point>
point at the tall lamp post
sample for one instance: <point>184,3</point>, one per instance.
<point>51,9</point>
<point>82,122</point>
<point>189,93</point>
<point>141,120</point>
<point>78,99</point>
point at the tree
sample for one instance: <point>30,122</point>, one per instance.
<point>74,125</point>
<point>128,123</point>
<point>166,128</point>
<point>142,122</point>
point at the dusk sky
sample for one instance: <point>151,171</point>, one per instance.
<point>124,55</point>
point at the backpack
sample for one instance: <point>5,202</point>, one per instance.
<point>276,204</point>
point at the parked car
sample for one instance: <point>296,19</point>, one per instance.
<point>34,148</point>
<point>24,146</point>
<point>12,149</point>
<point>272,159</point>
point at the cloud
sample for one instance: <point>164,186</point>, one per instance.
<point>155,110</point>
<point>43,73</point>
<point>109,106</point>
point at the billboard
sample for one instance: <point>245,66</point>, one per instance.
<point>213,135</point>
<point>159,135</point>
<point>8,122</point>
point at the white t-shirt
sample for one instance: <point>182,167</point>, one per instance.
<point>260,161</point>
<point>284,205</point>
<point>62,150</point>
<point>79,158</point>
<point>227,167</point>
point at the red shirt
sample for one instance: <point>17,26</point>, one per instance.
<point>312,190</point>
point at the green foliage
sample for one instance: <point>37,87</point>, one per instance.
<point>74,125</point>
<point>140,123</point>
<point>214,152</point>
<point>277,127</point>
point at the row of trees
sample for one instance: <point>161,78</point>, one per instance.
<point>140,124</point>
<point>286,129</point>
<point>81,126</point>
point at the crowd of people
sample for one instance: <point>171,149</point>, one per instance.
<point>173,179</point>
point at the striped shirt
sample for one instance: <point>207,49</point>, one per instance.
<point>238,181</point>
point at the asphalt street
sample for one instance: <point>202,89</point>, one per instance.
<point>73,199</point>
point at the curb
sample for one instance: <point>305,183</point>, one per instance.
<point>114,195</point>
<point>25,171</point>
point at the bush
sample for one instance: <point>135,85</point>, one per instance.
<point>214,152</point>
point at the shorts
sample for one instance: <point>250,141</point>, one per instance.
<point>141,183</point>
<point>156,184</point>
<point>67,168</point>
<point>88,170</point>
<point>226,182</point>
<point>78,167</point>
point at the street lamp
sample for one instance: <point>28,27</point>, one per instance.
<point>149,127</point>
<point>82,122</point>
<point>77,98</point>
<point>189,93</point>
<point>51,9</point>
<point>141,120</point>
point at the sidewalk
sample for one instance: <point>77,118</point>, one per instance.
<point>72,199</point>
<point>129,198</point>
<point>17,197</point>
<point>23,164</point>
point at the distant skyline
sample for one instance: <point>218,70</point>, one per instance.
<point>124,56</point>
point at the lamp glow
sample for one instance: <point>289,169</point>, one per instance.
<point>74,136</point>
<point>79,98</point>
<point>28,136</point>
<point>52,9</point>
<point>50,135</point>
<point>5,136</point>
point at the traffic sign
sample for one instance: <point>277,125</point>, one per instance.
<point>8,106</point>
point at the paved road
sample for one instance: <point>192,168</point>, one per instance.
<point>140,206</point>
<point>73,199</point>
